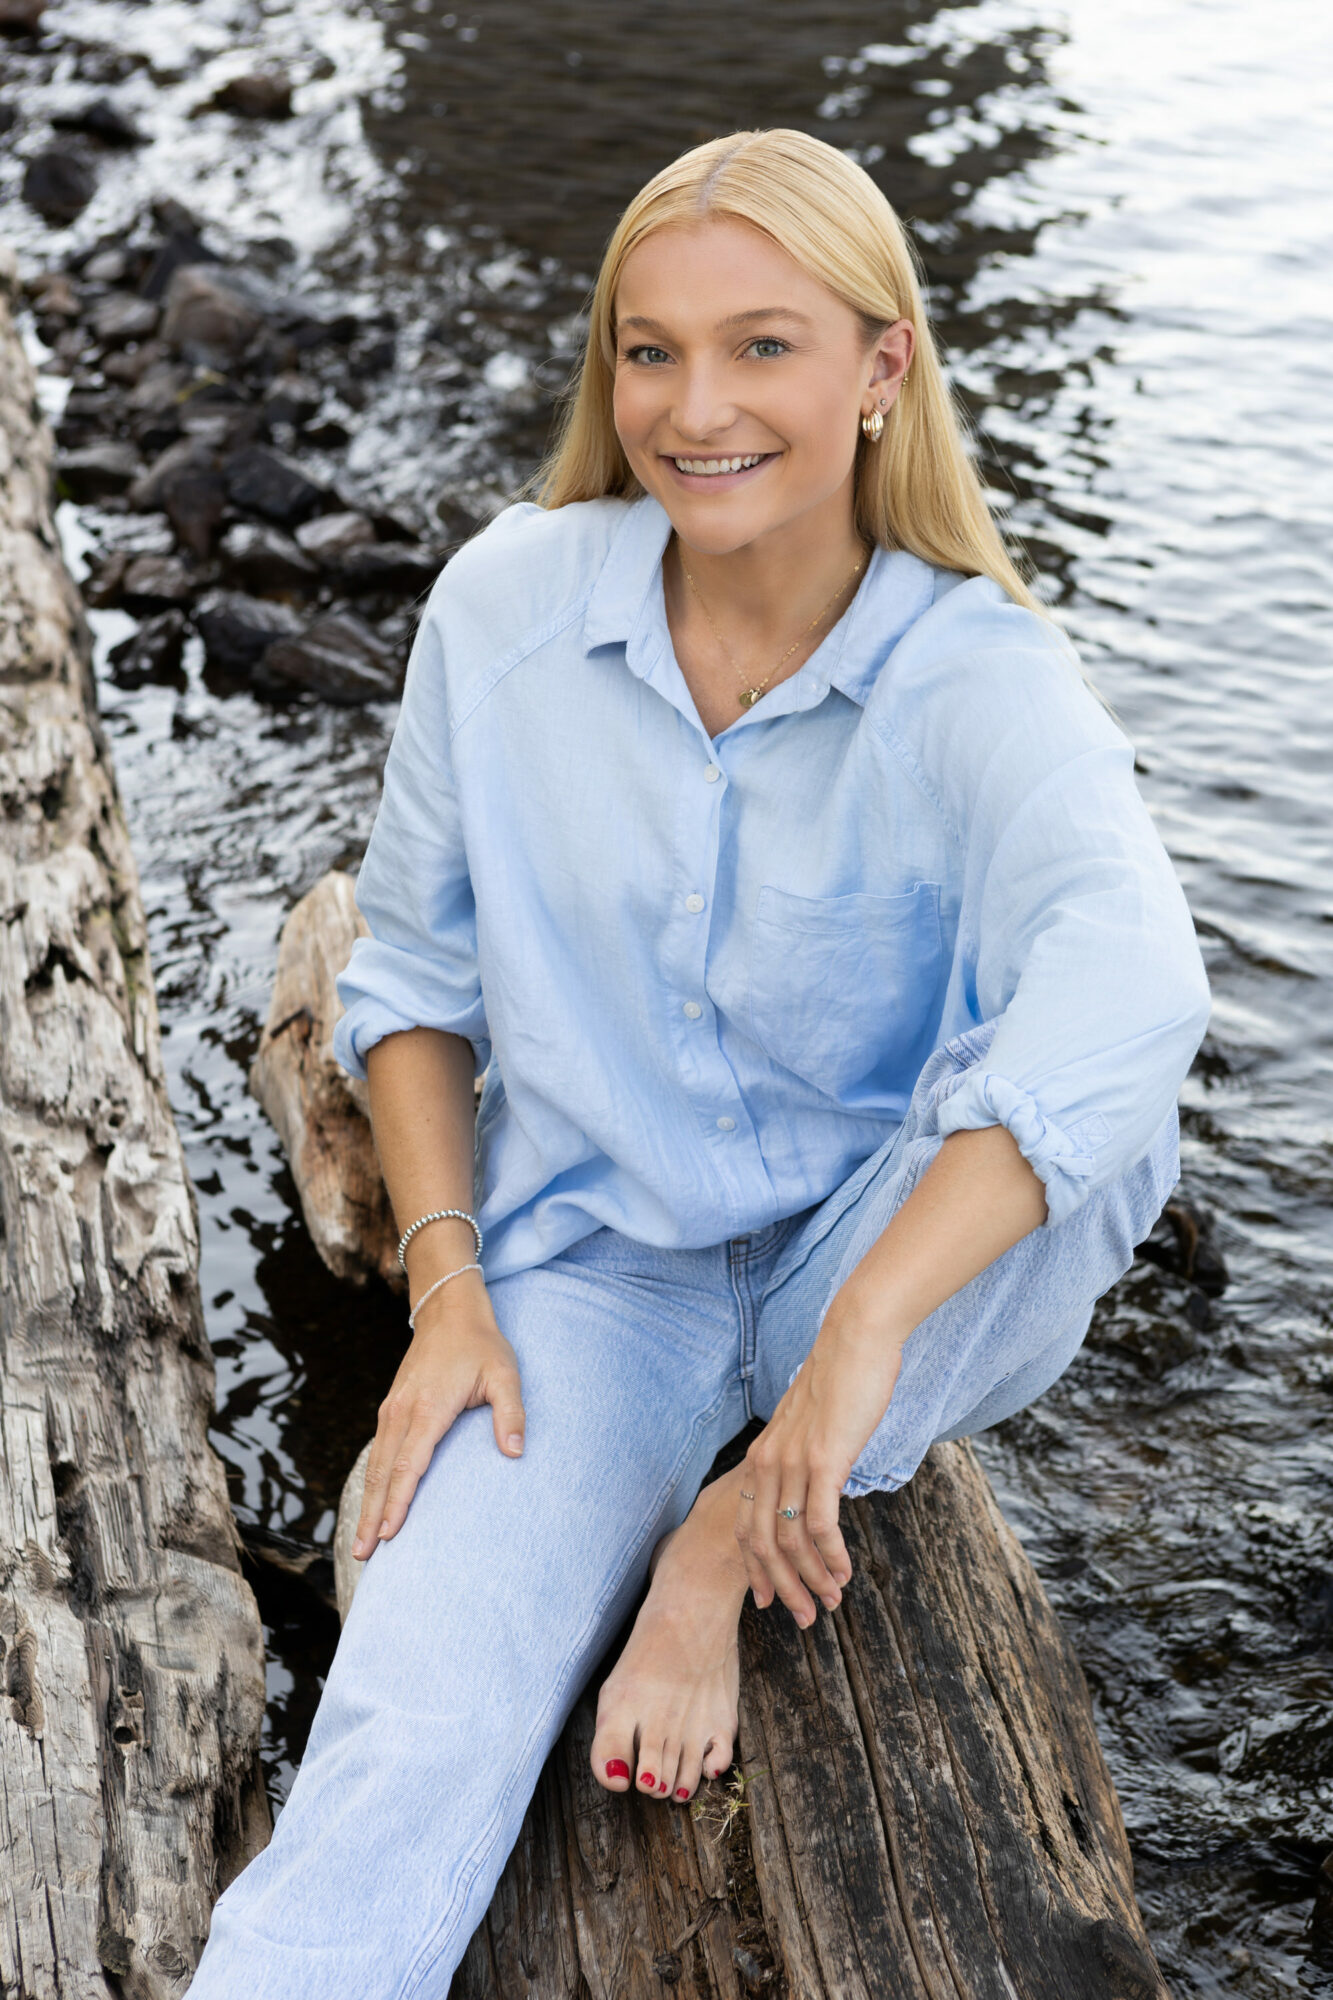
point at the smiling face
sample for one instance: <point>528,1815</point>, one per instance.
<point>727,350</point>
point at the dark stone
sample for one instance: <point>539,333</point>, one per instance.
<point>54,296</point>
<point>291,399</point>
<point>372,357</point>
<point>102,585</point>
<point>329,537</point>
<point>339,658</point>
<point>262,558</point>
<point>262,480</point>
<point>153,653</point>
<point>130,366</point>
<point>97,470</point>
<point>122,317</point>
<point>258,94</point>
<point>238,630</point>
<point>187,487</point>
<point>389,565</point>
<point>208,316</point>
<point>20,17</point>
<point>8,115</point>
<point>151,581</point>
<point>101,118</point>
<point>84,420</point>
<point>58,183</point>
<point>182,249</point>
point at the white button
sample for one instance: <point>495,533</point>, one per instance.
<point>693,1009</point>
<point>726,1124</point>
<point>712,774</point>
<point>694,902</point>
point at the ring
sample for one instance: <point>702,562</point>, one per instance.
<point>789,1513</point>
<point>745,1495</point>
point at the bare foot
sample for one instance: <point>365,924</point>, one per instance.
<point>667,1710</point>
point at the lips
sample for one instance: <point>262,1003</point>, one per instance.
<point>718,470</point>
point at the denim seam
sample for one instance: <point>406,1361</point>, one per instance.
<point>430,1951</point>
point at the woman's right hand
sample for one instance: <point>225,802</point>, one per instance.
<point>458,1359</point>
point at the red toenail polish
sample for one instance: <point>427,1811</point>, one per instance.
<point>647,1779</point>
<point>617,1768</point>
<point>662,1785</point>
<point>682,1791</point>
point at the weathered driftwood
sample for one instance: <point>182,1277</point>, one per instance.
<point>131,1651</point>
<point>321,1114</point>
<point>923,1814</point>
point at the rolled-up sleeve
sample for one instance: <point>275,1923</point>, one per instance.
<point>418,967</point>
<point>1075,935</point>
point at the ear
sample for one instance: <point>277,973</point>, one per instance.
<point>891,360</point>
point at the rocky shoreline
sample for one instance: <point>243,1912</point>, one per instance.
<point>199,389</point>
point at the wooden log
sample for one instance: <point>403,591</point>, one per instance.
<point>920,1809</point>
<point>131,1650</point>
<point>321,1114</point>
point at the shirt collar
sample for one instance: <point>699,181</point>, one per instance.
<point>895,590</point>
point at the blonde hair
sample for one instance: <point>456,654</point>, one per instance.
<point>917,488</point>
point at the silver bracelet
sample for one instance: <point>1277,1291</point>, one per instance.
<point>436,1215</point>
<point>412,1316</point>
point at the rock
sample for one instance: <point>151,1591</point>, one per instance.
<point>389,565</point>
<point>20,17</point>
<point>150,581</point>
<point>84,420</point>
<point>321,1114</point>
<point>329,536</point>
<point>58,183</point>
<point>262,558</point>
<point>339,658</point>
<point>263,480</point>
<point>54,296</point>
<point>162,386</point>
<point>107,267</point>
<point>130,367</point>
<point>96,470</point>
<point>291,399</point>
<point>258,94</point>
<point>208,316</point>
<point>182,249</point>
<point>123,317</point>
<point>153,653</point>
<point>237,630</point>
<point>186,485</point>
<point>101,587</point>
<point>100,117</point>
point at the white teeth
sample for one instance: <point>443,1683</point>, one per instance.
<point>706,465</point>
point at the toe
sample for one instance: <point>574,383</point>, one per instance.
<point>688,1773</point>
<point>718,1754</point>
<point>650,1778</point>
<point>612,1756</point>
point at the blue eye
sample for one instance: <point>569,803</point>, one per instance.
<point>632,353</point>
<point>769,339</point>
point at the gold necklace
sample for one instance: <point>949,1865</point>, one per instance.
<point>752,691</point>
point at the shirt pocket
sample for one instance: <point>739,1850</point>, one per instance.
<point>844,990</point>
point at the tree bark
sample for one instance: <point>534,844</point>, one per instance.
<point>131,1651</point>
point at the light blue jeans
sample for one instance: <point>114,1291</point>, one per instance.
<point>474,1630</point>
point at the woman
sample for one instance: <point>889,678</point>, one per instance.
<point>750,828</point>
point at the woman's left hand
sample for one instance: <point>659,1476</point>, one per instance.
<point>802,1459</point>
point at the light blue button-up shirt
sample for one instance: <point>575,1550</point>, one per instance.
<point>701,974</point>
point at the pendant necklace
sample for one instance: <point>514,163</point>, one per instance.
<point>751,692</point>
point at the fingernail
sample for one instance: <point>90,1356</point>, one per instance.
<point>647,1778</point>
<point>617,1768</point>
<point>682,1791</point>
<point>383,1533</point>
<point>516,1440</point>
<point>358,1548</point>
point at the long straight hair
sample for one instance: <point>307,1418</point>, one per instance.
<point>917,488</point>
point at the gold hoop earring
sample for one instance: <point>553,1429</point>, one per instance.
<point>873,426</point>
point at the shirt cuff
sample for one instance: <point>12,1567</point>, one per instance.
<point>368,1021</point>
<point>983,1097</point>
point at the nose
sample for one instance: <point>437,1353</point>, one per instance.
<point>701,409</point>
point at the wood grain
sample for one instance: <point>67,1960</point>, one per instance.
<point>131,1651</point>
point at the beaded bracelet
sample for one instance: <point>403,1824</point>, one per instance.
<point>436,1215</point>
<point>412,1316</point>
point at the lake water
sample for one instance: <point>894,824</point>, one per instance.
<point>1125,220</point>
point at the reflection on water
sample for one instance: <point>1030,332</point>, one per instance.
<point>1122,219</point>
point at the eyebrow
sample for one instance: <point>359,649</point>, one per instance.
<point>732,319</point>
